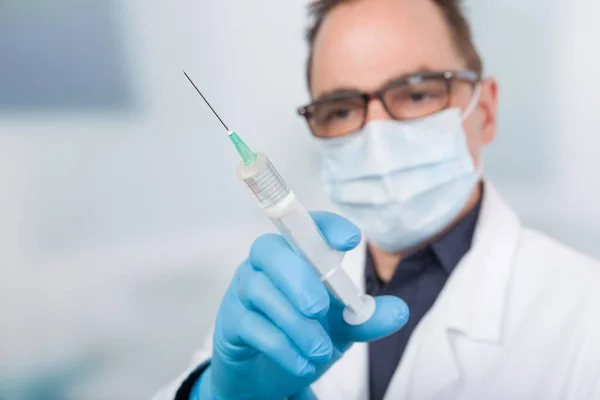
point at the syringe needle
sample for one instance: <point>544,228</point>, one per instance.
<point>206,101</point>
<point>242,148</point>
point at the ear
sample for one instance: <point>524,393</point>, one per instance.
<point>488,103</point>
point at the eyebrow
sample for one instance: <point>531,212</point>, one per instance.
<point>342,93</point>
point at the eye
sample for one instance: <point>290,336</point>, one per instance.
<point>344,114</point>
<point>418,97</point>
<point>422,96</point>
<point>340,113</point>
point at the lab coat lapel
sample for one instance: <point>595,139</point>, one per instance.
<point>471,306</point>
<point>348,378</point>
<point>477,294</point>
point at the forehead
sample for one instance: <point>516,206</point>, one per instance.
<point>363,44</point>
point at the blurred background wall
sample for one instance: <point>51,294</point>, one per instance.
<point>121,219</point>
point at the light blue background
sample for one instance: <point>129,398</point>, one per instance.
<point>62,55</point>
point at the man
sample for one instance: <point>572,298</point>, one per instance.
<point>498,311</point>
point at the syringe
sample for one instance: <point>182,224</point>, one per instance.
<point>296,225</point>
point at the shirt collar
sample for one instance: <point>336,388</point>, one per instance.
<point>454,244</point>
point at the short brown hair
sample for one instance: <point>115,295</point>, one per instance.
<point>319,9</point>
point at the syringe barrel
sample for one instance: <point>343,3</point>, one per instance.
<point>264,181</point>
<point>297,226</point>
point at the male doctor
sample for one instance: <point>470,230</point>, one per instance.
<point>497,311</point>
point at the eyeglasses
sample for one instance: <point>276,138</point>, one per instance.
<point>409,97</point>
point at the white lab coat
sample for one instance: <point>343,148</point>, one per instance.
<point>519,318</point>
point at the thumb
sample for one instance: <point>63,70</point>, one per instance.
<point>391,314</point>
<point>341,234</point>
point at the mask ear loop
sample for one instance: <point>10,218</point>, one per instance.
<point>480,167</point>
<point>473,104</point>
<point>466,114</point>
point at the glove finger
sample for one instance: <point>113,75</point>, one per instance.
<point>258,293</point>
<point>340,233</point>
<point>291,274</point>
<point>391,314</point>
<point>257,331</point>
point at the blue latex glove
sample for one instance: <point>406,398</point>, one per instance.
<point>278,329</point>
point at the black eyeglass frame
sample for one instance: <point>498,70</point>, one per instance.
<point>449,76</point>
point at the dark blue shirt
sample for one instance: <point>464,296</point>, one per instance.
<point>418,280</point>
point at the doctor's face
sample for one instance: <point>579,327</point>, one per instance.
<point>364,45</point>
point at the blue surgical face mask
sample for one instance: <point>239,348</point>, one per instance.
<point>401,182</point>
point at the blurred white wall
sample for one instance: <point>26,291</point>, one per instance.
<point>119,232</point>
<point>544,56</point>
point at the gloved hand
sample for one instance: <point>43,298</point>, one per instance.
<point>278,329</point>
